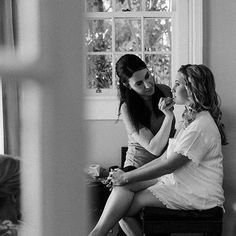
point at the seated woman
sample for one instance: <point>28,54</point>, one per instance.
<point>191,174</point>
<point>148,125</point>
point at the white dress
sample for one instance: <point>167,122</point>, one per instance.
<point>198,184</point>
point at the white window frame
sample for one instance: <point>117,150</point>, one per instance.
<point>187,26</point>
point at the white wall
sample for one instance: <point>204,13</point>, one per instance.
<point>220,56</point>
<point>105,138</point>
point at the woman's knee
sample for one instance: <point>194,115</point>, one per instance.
<point>133,187</point>
<point>122,188</point>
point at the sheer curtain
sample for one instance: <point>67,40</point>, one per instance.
<point>10,89</point>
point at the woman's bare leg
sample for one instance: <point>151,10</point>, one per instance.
<point>129,224</point>
<point>142,199</point>
<point>117,206</point>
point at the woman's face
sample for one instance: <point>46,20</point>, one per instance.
<point>142,83</point>
<point>179,90</point>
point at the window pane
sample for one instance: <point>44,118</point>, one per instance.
<point>99,5</point>
<point>98,37</point>
<point>99,72</point>
<point>128,5</point>
<point>160,67</point>
<point>158,5</point>
<point>127,34</point>
<point>157,34</point>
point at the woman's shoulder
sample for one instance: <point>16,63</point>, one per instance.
<point>207,120</point>
<point>204,122</point>
<point>165,89</point>
<point>124,108</point>
<point>126,119</point>
<point>124,112</point>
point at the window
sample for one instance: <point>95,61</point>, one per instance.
<point>140,27</point>
<point>151,29</point>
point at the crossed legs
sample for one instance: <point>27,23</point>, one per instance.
<point>125,202</point>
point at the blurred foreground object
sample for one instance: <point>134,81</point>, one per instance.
<point>9,188</point>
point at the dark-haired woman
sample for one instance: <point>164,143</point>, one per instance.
<point>147,115</point>
<point>142,104</point>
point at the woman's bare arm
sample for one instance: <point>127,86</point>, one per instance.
<point>152,143</point>
<point>151,171</point>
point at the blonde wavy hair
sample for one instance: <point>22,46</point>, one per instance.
<point>200,85</point>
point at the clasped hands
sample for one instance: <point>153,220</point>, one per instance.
<point>116,177</point>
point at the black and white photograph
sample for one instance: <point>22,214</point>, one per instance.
<point>117,118</point>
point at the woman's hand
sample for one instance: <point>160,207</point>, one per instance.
<point>119,177</point>
<point>166,105</point>
<point>116,178</point>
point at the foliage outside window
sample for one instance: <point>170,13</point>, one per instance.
<point>117,27</point>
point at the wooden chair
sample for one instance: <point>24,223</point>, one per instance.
<point>161,221</point>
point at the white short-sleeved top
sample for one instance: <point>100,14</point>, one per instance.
<point>198,184</point>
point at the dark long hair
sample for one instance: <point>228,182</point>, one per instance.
<point>200,84</point>
<point>139,113</point>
